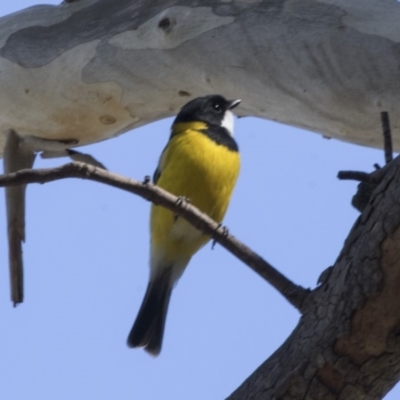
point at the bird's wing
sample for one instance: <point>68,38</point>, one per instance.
<point>156,175</point>
<point>158,171</point>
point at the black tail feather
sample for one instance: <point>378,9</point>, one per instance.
<point>148,329</point>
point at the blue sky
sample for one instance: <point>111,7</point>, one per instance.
<point>86,263</point>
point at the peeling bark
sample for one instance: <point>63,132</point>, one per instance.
<point>92,69</point>
<point>16,157</point>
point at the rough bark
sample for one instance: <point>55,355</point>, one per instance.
<point>92,69</point>
<point>347,344</point>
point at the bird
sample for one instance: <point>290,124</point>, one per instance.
<point>200,163</point>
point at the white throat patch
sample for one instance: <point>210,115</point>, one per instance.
<point>227,122</point>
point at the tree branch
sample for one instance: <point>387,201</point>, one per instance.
<point>16,157</point>
<point>111,62</point>
<point>355,176</point>
<point>369,181</point>
<point>293,293</point>
<point>387,137</point>
<point>347,345</point>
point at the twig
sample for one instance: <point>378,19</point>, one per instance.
<point>293,293</point>
<point>379,173</point>
<point>369,181</point>
<point>387,137</point>
<point>355,176</point>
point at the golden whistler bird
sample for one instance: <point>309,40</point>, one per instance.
<point>200,162</point>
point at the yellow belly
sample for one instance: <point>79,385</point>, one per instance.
<point>196,167</point>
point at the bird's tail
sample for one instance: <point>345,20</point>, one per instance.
<point>148,329</point>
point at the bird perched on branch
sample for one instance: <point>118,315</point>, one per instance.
<point>200,162</point>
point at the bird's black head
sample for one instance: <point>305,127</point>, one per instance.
<point>214,110</point>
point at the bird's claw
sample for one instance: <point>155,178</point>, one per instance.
<point>181,201</point>
<point>225,234</point>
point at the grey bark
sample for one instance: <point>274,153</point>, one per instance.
<point>91,69</point>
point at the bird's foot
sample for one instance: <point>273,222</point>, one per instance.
<point>146,180</point>
<point>181,202</point>
<point>225,234</point>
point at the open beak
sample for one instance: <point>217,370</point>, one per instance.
<point>233,104</point>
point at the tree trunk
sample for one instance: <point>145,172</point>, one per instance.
<point>92,69</point>
<point>347,344</point>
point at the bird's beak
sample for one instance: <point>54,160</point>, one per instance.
<point>233,104</point>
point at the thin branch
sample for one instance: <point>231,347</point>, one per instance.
<point>387,137</point>
<point>369,181</point>
<point>355,176</point>
<point>374,177</point>
<point>293,293</point>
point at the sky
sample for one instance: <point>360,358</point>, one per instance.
<point>86,269</point>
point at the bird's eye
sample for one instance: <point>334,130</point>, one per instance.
<point>217,107</point>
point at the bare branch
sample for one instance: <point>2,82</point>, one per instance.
<point>293,293</point>
<point>387,137</point>
<point>16,157</point>
<point>355,176</point>
<point>369,181</point>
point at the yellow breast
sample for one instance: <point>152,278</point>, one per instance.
<point>196,167</point>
